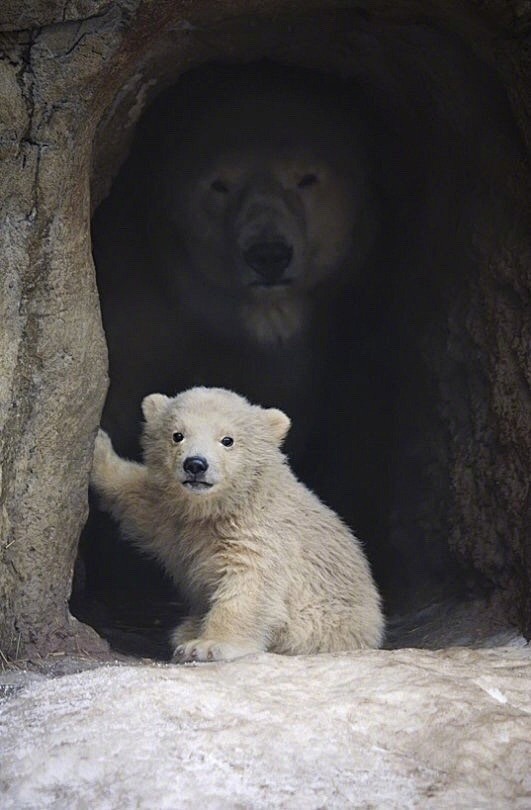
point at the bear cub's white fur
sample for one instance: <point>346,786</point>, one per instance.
<point>262,562</point>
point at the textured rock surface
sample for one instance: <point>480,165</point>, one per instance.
<point>52,349</point>
<point>382,729</point>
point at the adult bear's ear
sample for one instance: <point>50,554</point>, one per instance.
<point>153,404</point>
<point>279,422</point>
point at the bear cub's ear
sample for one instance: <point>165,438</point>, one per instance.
<point>153,404</point>
<point>279,422</point>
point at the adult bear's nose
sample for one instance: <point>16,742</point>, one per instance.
<point>195,465</point>
<point>269,260</point>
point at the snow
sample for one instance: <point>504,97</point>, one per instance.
<point>390,729</point>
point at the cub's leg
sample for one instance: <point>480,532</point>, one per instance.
<point>124,489</point>
<point>233,627</point>
<point>187,630</point>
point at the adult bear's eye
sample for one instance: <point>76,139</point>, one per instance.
<point>227,441</point>
<point>307,180</point>
<point>177,437</point>
<point>219,186</point>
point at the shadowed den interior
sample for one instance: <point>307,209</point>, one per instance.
<point>318,237</point>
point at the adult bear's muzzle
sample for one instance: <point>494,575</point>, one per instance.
<point>269,261</point>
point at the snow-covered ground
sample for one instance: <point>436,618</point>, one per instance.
<point>383,729</point>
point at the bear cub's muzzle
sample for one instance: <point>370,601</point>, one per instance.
<point>195,467</point>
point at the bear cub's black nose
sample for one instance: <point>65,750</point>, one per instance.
<point>195,465</point>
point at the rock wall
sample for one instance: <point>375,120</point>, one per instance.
<point>74,80</point>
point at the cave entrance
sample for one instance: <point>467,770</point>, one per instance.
<point>402,439</point>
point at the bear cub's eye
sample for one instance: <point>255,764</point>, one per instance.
<point>307,180</point>
<point>177,437</point>
<point>219,186</point>
<point>227,441</point>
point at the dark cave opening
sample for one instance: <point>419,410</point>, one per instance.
<point>391,375</point>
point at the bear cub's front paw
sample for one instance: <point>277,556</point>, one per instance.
<point>209,650</point>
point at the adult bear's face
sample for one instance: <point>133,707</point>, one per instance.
<point>266,198</point>
<point>263,221</point>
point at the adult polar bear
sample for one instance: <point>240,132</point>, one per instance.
<point>245,205</point>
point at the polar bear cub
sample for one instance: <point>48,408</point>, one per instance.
<point>263,564</point>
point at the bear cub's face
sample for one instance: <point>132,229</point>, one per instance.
<point>209,442</point>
